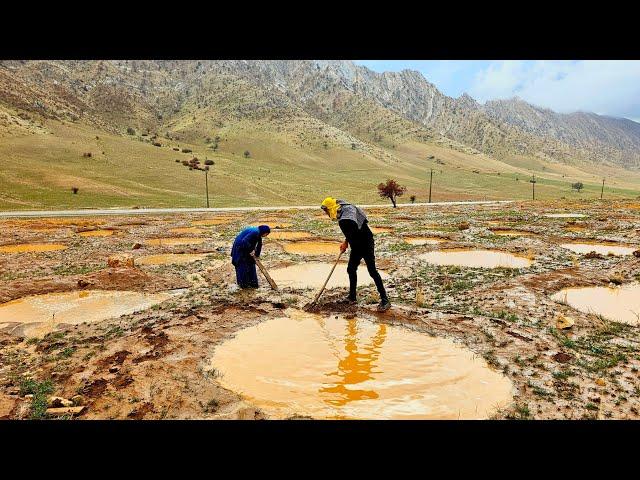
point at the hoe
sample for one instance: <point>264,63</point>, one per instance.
<point>325,283</point>
<point>265,273</point>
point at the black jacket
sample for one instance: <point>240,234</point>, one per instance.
<point>358,239</point>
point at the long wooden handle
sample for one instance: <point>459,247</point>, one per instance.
<point>327,280</point>
<point>266,275</point>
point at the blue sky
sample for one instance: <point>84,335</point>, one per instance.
<point>606,87</point>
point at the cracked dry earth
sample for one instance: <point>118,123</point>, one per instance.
<point>154,363</point>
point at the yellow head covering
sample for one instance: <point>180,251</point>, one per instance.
<point>332,207</point>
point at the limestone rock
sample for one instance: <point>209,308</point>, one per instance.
<point>563,322</point>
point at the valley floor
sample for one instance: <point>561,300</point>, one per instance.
<point>155,363</point>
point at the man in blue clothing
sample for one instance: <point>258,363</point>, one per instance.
<point>247,246</point>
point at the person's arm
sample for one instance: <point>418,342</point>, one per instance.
<point>350,230</point>
<point>258,247</point>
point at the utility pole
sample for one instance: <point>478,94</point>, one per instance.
<point>206,182</point>
<point>430,182</point>
<point>533,185</point>
<point>602,191</point>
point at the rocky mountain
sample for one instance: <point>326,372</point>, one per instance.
<point>313,101</point>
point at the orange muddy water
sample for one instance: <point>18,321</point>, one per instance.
<point>620,304</point>
<point>174,241</point>
<point>313,275</point>
<point>424,240</point>
<point>213,221</point>
<point>39,314</point>
<point>31,247</point>
<point>476,258</point>
<point>337,368</point>
<point>313,248</point>
<point>97,233</point>
<point>601,248</point>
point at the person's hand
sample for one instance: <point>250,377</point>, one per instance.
<point>343,246</point>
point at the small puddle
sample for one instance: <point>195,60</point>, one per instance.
<point>31,247</point>
<point>97,233</point>
<point>170,259</point>
<point>187,230</point>
<point>213,221</point>
<point>381,229</point>
<point>313,275</point>
<point>313,248</point>
<point>476,258</point>
<point>424,240</point>
<point>337,368</point>
<point>601,248</point>
<point>290,235</point>
<point>620,304</point>
<point>575,228</point>
<point>175,241</point>
<point>508,232</point>
<point>39,314</point>
<point>565,215</point>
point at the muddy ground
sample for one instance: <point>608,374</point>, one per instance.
<point>152,364</point>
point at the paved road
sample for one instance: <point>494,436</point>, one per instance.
<point>169,211</point>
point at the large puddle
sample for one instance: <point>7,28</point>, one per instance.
<point>476,258</point>
<point>175,241</point>
<point>601,248</point>
<point>277,235</point>
<point>31,247</point>
<point>424,240</point>
<point>621,304</point>
<point>313,248</point>
<point>170,259</point>
<point>97,233</point>
<point>39,314</point>
<point>337,368</point>
<point>313,275</point>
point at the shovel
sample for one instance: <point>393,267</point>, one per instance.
<point>266,275</point>
<point>325,283</point>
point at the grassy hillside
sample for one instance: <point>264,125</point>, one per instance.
<point>40,166</point>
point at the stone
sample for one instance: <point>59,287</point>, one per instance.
<point>65,410</point>
<point>563,322</point>
<point>120,260</point>
<point>78,400</point>
<point>600,382</point>
<point>137,246</point>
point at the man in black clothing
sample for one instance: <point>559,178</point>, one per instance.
<point>355,226</point>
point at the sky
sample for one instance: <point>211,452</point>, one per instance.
<point>605,87</point>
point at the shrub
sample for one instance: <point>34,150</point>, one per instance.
<point>87,155</point>
<point>412,198</point>
<point>247,154</point>
<point>74,190</point>
<point>186,150</point>
<point>208,162</point>
<point>156,144</point>
<point>577,186</point>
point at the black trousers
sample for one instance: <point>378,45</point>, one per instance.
<point>368,255</point>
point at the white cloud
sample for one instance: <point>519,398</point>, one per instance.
<point>606,87</point>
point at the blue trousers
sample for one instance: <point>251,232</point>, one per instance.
<point>246,274</point>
